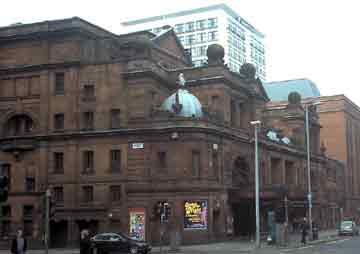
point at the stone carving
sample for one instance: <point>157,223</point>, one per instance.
<point>294,98</point>
<point>215,54</point>
<point>248,71</point>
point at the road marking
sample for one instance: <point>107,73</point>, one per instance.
<point>305,247</point>
<point>338,241</point>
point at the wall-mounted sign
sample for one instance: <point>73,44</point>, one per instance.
<point>137,223</point>
<point>137,145</point>
<point>195,216</point>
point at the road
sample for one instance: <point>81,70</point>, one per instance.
<point>345,245</point>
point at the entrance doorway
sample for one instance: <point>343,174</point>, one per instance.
<point>244,218</point>
<point>58,234</point>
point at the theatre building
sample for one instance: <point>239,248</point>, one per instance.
<point>115,125</point>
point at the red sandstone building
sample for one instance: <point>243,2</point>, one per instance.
<point>106,123</point>
<point>339,135</point>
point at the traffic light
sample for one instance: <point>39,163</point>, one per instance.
<point>280,215</point>
<point>4,183</point>
<point>156,211</point>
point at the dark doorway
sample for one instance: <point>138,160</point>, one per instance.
<point>58,234</point>
<point>244,218</point>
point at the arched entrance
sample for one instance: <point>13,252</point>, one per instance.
<point>243,208</point>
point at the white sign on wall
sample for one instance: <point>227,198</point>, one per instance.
<point>137,145</point>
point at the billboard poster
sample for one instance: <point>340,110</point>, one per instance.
<point>137,223</point>
<point>195,216</point>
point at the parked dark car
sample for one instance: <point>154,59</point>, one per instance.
<point>111,243</point>
<point>348,227</point>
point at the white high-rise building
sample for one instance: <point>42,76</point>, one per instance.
<point>201,27</point>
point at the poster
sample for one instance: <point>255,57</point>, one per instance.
<point>196,213</point>
<point>137,223</point>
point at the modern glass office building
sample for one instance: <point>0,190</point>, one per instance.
<point>201,27</point>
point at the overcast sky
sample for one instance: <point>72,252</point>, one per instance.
<point>315,39</point>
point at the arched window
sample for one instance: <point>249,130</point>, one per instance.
<point>18,125</point>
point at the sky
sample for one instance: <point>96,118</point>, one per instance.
<point>318,40</point>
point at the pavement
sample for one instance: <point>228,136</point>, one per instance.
<point>231,246</point>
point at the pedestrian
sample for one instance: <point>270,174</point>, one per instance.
<point>304,231</point>
<point>85,245</point>
<point>19,243</point>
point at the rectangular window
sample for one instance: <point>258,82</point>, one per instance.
<point>212,23</point>
<point>162,161</point>
<point>115,193</point>
<point>88,120</point>
<point>203,50</point>
<point>58,163</point>
<point>30,184</point>
<point>59,121</point>
<point>59,83</point>
<point>58,194</point>
<point>203,37</point>
<point>215,163</point>
<point>196,51</point>
<point>115,118</point>
<point>88,194</point>
<point>89,92</point>
<point>88,162</point>
<point>6,211</point>
<point>201,24</point>
<point>28,211</point>
<point>5,228</point>
<point>233,112</point>
<point>190,39</point>
<point>115,160</point>
<point>195,163</point>
<point>6,171</point>
<point>213,36</point>
<point>190,27</point>
<point>179,28</point>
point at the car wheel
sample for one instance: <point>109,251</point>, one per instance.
<point>134,250</point>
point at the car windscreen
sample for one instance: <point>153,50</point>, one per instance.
<point>346,224</point>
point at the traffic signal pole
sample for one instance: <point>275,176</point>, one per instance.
<point>47,219</point>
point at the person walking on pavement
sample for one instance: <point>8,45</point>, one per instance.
<point>19,244</point>
<point>85,245</point>
<point>304,231</point>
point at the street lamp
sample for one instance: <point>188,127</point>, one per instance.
<point>309,196</point>
<point>256,125</point>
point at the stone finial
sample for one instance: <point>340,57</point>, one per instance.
<point>181,80</point>
<point>248,71</point>
<point>294,98</point>
<point>215,54</point>
<point>322,148</point>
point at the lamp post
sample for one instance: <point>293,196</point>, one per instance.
<point>47,220</point>
<point>309,196</point>
<point>256,125</point>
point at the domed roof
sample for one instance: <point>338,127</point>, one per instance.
<point>187,105</point>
